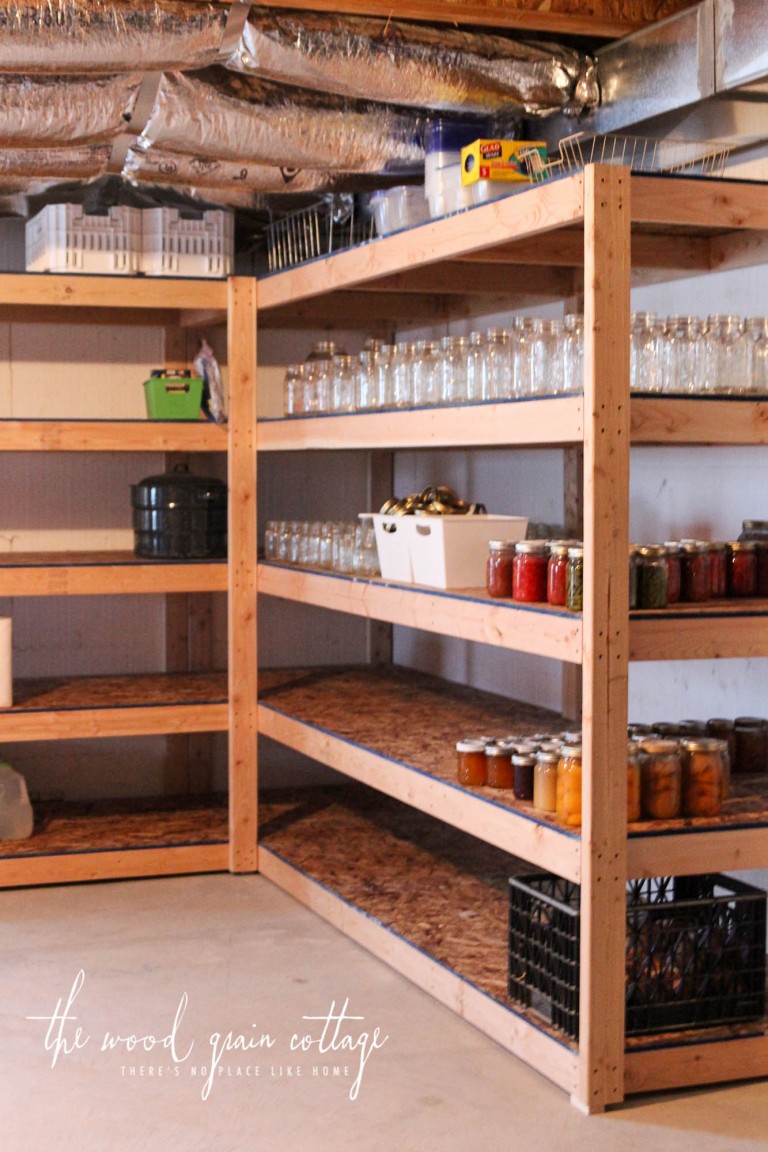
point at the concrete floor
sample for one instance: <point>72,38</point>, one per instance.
<point>184,960</point>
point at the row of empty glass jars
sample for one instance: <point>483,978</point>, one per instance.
<point>687,354</point>
<point>339,545</point>
<point>531,357</point>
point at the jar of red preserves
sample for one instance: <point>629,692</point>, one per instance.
<point>742,568</point>
<point>718,584</point>
<point>529,572</point>
<point>694,571</point>
<point>673,571</point>
<point>501,554</point>
<point>498,766</point>
<point>557,567</point>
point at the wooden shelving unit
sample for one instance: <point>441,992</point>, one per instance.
<point>598,229</point>
<point>172,704</point>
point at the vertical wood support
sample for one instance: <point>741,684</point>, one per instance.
<point>606,642</point>
<point>242,573</point>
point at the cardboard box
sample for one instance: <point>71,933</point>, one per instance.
<point>498,160</point>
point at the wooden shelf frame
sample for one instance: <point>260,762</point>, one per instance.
<point>105,573</point>
<point>606,229</point>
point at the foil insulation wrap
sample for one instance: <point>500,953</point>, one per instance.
<point>37,110</point>
<point>82,163</point>
<point>218,114</point>
<point>58,36</point>
<point>406,64</point>
<point>207,174</point>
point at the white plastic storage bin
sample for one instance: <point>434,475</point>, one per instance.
<point>401,207</point>
<point>393,547</point>
<point>64,238</point>
<point>176,245</point>
<point>452,551</point>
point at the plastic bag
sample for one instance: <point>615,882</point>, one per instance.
<point>206,365</point>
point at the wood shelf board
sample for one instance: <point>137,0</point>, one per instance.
<point>693,420</point>
<point>112,573</point>
<point>527,213</point>
<point>706,1057</point>
<point>19,435</point>
<point>555,420</point>
<point>469,614</point>
<point>444,892</point>
<point>83,707</point>
<point>130,864</point>
<point>124,293</point>
<point>718,630</point>
<point>705,207</point>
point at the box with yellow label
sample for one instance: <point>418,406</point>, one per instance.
<point>498,160</point>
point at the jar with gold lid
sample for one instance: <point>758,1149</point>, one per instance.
<point>568,809</point>
<point>660,779</point>
<point>545,781</point>
<point>574,580</point>
<point>498,766</point>
<point>471,763</point>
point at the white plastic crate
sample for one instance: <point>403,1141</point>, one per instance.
<point>64,238</point>
<point>176,245</point>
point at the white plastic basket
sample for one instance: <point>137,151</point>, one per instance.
<point>64,238</point>
<point>176,245</point>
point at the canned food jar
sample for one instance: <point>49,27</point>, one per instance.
<point>501,554</point>
<point>694,571</point>
<point>718,582</point>
<point>568,808</point>
<point>574,582</point>
<point>751,744</point>
<point>660,779</point>
<point>545,781</point>
<point>761,552</point>
<point>741,563</point>
<point>673,571</point>
<point>633,783</point>
<point>703,771</point>
<point>557,568</point>
<point>523,766</point>
<point>529,572</point>
<point>724,729</point>
<point>498,766</point>
<point>652,577</point>
<point>471,763</point>
<point>634,564</point>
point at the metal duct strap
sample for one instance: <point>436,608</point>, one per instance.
<point>109,35</point>
<point>215,113</point>
<point>406,64</point>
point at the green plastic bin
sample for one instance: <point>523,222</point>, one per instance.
<point>173,396</point>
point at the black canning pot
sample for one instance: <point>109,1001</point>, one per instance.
<point>178,516</point>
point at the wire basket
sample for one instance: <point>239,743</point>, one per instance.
<point>640,153</point>
<point>316,231</point>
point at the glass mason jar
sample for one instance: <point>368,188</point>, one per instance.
<point>573,352</point>
<point>718,585</point>
<point>683,364</point>
<point>498,354</point>
<point>523,768</point>
<point>727,354</point>
<point>557,568</point>
<point>271,534</point>
<point>673,571</point>
<point>645,345</point>
<point>366,554</point>
<point>501,555</point>
<point>695,580</point>
<point>634,806</point>
<point>477,367</point>
<point>529,572</point>
<point>427,374</point>
<point>724,729</point>
<point>343,385</point>
<point>293,390</point>
<point>703,771</point>
<point>471,763</point>
<point>568,809</point>
<point>652,577</point>
<point>366,396</point>
<point>542,346</point>
<point>741,567</point>
<point>383,389</point>
<point>402,374</point>
<point>751,744</point>
<point>498,766</point>
<point>660,779</point>
<point>574,580</point>
<point>522,333</point>
<point>756,332</point>
<point>545,781</point>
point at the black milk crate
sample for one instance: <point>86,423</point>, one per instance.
<point>695,952</point>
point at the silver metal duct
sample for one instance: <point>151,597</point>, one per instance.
<point>155,166</point>
<point>86,163</point>
<point>215,113</point>
<point>57,36</point>
<point>405,64</point>
<point>41,110</point>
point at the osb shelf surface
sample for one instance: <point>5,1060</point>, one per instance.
<point>445,892</point>
<point>87,559</point>
<point>92,692</point>
<point>416,720</point>
<point>106,825</point>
